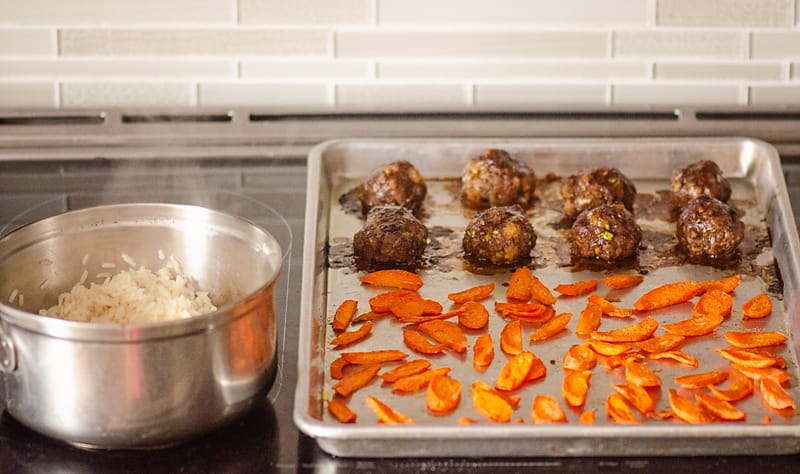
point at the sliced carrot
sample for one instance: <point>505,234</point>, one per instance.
<point>519,287</point>
<point>432,307</point>
<point>686,410</point>
<point>443,394</point>
<point>766,420</point>
<point>719,408</point>
<point>589,320</point>
<point>780,362</point>
<point>431,317</point>
<point>749,340</point>
<point>465,420</point>
<point>618,410</point>
<point>748,358</point>
<point>775,396</point>
<point>575,387</point>
<point>667,295</point>
<point>491,405</point>
<point>370,316</point>
<point>739,389</point>
<point>551,328</point>
<point>619,360</point>
<point>350,337</point>
<point>576,289</point>
<point>714,301</point>
<point>374,357</point>
<point>511,338</point>
<point>445,332</point>
<point>610,309</point>
<point>622,282</point>
<point>352,382</point>
<point>337,367</point>
<point>637,373</point>
<point>607,348</point>
<point>538,370</point>
<point>533,312</point>
<point>759,306</point>
<point>408,307</point>
<point>413,383</point>
<point>633,333</point>
<point>476,293</point>
<point>540,292</point>
<point>515,372</point>
<point>474,315</point>
<point>386,414</point>
<point>661,415</point>
<point>393,278</point>
<point>699,324</point>
<point>587,417</point>
<point>415,341</point>
<point>728,285</point>
<point>341,411</point>
<point>483,351</point>
<point>546,409</point>
<point>382,302</point>
<point>636,396</point>
<point>677,356</point>
<point>702,380</point>
<point>512,400</point>
<point>661,343</point>
<point>773,373</point>
<point>408,369</point>
<point>344,314</point>
<point>580,357</point>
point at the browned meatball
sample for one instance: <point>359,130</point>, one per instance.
<point>391,238</point>
<point>608,232</point>
<point>697,179</point>
<point>496,179</point>
<point>499,236</point>
<point>397,184</point>
<point>709,229</point>
<point>600,186</point>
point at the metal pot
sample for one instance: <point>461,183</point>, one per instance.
<point>143,385</point>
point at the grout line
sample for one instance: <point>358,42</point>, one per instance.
<point>651,9</point>
<point>237,12</point>
<point>375,13</point>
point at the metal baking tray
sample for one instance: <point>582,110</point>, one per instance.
<point>759,191</point>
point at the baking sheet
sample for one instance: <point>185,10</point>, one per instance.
<point>329,278</point>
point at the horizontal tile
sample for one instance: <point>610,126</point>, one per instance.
<point>775,44</point>
<point>720,71</point>
<point>512,70</point>
<point>795,70</point>
<point>678,43</point>
<point>512,12</point>
<point>678,94</point>
<point>775,95</point>
<point>28,94</point>
<point>751,13</point>
<point>305,69</point>
<point>99,42</point>
<point>126,12</point>
<point>306,12</point>
<point>126,94</point>
<point>535,94</point>
<point>402,95</point>
<point>548,44</point>
<point>27,42</point>
<point>227,94</point>
<point>71,67</point>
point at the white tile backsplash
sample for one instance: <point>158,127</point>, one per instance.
<point>28,94</point>
<point>126,94</point>
<point>247,94</point>
<point>23,42</point>
<point>752,13</point>
<point>513,70</point>
<point>365,95</point>
<point>514,95</point>
<point>775,95</point>
<point>306,12</point>
<point>720,71</point>
<point>124,12</point>
<point>307,69</point>
<point>679,44</point>
<point>117,68</point>
<point>675,94</point>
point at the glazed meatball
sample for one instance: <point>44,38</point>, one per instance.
<point>496,179</point>
<point>391,237</point>
<point>396,184</point>
<point>500,236</point>
<point>698,179</point>
<point>588,190</point>
<point>608,232</point>
<point>709,229</point>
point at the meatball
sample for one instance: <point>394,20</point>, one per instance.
<point>588,190</point>
<point>391,237</point>
<point>496,179</point>
<point>396,184</point>
<point>709,229</point>
<point>700,178</point>
<point>499,236</point>
<point>608,232</point>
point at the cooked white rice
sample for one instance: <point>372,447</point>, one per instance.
<point>134,296</point>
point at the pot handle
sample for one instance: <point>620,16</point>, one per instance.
<point>8,356</point>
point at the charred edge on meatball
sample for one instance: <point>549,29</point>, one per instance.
<point>396,184</point>
<point>708,229</point>
<point>499,236</point>
<point>608,233</point>
<point>594,188</point>
<point>496,179</point>
<point>391,238</point>
<point>702,178</point>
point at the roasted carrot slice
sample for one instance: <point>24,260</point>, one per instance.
<point>538,370</point>
<point>344,314</point>
<point>589,320</point>
<point>540,292</point>
<point>622,282</point>
<point>714,301</point>
<point>515,372</point>
<point>546,409</point>
<point>350,337</point>
<point>443,394</point>
<point>491,405</point>
<point>513,400</point>
<point>636,396</point>
<point>636,373</point>
<point>369,316</point>
<point>759,306</point>
<point>337,367</point>
<point>661,415</point>
<point>432,307</point>
<point>465,420</point>
<point>483,351</point>
<point>619,360</point>
<point>418,343</point>
<point>551,328</point>
<point>575,387</point>
<point>519,287</point>
<point>580,357</point>
<point>408,307</point>
<point>739,389</point>
<point>413,383</point>
<point>587,418</point>
<point>386,414</point>
<point>749,340</point>
<point>667,295</point>
<point>474,315</point>
<point>766,420</point>
<point>534,312</point>
<point>661,343</point>
<point>618,410</point>
<point>511,338</point>
<point>633,333</point>
<point>774,395</point>
<point>374,357</point>
<point>445,332</point>
<point>408,369</point>
<point>728,285</point>
<point>702,380</point>
<point>686,410</point>
<point>607,348</point>
<point>382,302</point>
<point>677,356</point>
<point>431,317</point>
<point>393,278</point>
<point>341,411</point>
<point>748,358</point>
<point>773,373</point>
<point>780,362</point>
<point>352,382</point>
<point>610,309</point>
<point>476,293</point>
<point>576,289</point>
<point>719,408</point>
<point>699,324</point>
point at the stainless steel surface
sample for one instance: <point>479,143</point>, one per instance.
<point>137,385</point>
<point>334,167</point>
